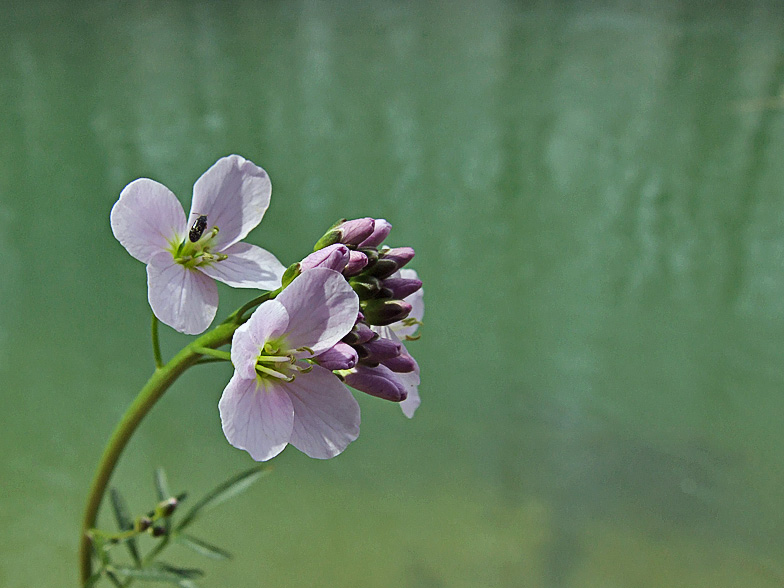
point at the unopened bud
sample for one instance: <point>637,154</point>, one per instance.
<point>361,333</point>
<point>385,312</point>
<point>142,524</point>
<point>402,287</point>
<point>391,260</point>
<point>334,257</point>
<point>353,232</point>
<point>338,357</point>
<point>402,364</point>
<point>365,286</point>
<point>379,349</point>
<point>158,531</point>
<point>377,381</point>
<point>166,507</point>
<point>291,272</point>
<point>381,229</point>
<point>356,263</point>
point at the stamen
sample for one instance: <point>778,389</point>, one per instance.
<point>274,359</point>
<point>275,374</point>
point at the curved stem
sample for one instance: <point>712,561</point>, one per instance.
<point>216,353</point>
<point>237,314</point>
<point>156,344</point>
<point>160,381</point>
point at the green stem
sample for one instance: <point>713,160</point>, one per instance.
<point>238,314</point>
<point>160,381</point>
<point>156,344</point>
<point>222,355</point>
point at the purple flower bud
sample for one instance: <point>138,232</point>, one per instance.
<point>401,287</point>
<point>379,349</point>
<point>391,260</point>
<point>353,232</point>
<point>338,357</point>
<point>361,333</point>
<point>402,364</point>
<point>356,263</point>
<point>400,255</point>
<point>334,257</point>
<point>385,312</point>
<point>377,381</point>
<point>381,229</point>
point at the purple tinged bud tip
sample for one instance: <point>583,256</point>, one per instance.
<point>356,263</point>
<point>402,364</point>
<point>379,349</point>
<point>402,287</point>
<point>377,381</point>
<point>385,312</point>
<point>338,357</point>
<point>334,257</point>
<point>381,229</point>
<point>361,333</point>
<point>353,232</point>
<point>400,255</point>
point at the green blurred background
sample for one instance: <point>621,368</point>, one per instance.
<point>595,196</point>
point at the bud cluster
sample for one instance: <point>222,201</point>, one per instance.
<point>366,360</point>
<point>352,247</point>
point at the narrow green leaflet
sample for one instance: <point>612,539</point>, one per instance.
<point>202,547</point>
<point>124,522</point>
<point>162,484</point>
<point>162,488</point>
<point>229,489</point>
<point>114,579</point>
<point>161,573</point>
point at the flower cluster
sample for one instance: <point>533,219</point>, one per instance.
<point>391,308</point>
<point>341,320</point>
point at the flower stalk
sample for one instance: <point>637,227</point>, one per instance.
<point>160,381</point>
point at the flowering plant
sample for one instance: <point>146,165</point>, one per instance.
<point>337,318</point>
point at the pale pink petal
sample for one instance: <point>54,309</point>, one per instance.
<point>268,321</point>
<point>326,416</point>
<point>256,416</point>
<point>184,299</point>
<point>417,302</point>
<point>247,266</point>
<point>410,382</point>
<point>147,219</point>
<point>322,307</point>
<point>234,195</point>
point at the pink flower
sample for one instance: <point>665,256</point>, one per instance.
<point>183,256</point>
<point>278,395</point>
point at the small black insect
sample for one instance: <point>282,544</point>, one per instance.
<point>197,228</point>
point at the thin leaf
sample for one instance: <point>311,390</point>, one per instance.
<point>202,547</point>
<point>114,580</point>
<point>229,489</point>
<point>124,522</point>
<point>186,573</point>
<point>162,484</point>
<point>162,488</point>
<point>160,573</point>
